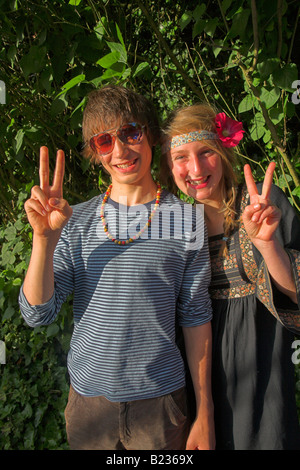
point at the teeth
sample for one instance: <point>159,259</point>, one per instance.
<point>198,181</point>
<point>125,165</point>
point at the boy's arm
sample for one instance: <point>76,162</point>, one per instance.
<point>47,213</point>
<point>198,351</point>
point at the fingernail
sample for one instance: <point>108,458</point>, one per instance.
<point>54,202</point>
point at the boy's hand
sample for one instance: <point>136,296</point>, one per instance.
<point>46,210</point>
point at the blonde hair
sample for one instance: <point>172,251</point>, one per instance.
<point>194,118</point>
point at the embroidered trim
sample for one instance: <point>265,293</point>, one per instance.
<point>233,292</point>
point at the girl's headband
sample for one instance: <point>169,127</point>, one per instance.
<point>229,132</point>
<point>187,138</point>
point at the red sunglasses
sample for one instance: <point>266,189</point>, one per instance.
<point>103,143</point>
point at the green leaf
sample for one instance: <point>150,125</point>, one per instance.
<point>74,81</point>
<point>119,34</point>
<point>217,47</point>
<point>225,5</point>
<point>269,98</point>
<point>246,104</point>
<point>257,129</point>
<point>198,12</point>
<point>109,59</point>
<point>276,114</point>
<point>52,329</point>
<point>198,27</point>
<point>116,47</point>
<point>211,26</point>
<point>29,437</point>
<point>268,66</point>
<point>141,68</point>
<point>27,412</point>
<point>9,313</point>
<point>19,140</point>
<point>185,19</point>
<point>71,84</point>
<point>58,105</point>
<point>34,61</point>
<point>239,23</point>
<point>74,2</point>
<point>296,191</point>
<point>285,76</point>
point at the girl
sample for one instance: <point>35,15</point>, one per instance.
<point>254,238</point>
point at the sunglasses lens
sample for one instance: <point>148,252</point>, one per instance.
<point>130,133</point>
<point>102,143</point>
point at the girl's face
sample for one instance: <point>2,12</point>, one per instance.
<point>197,171</point>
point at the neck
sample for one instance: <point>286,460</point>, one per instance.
<point>214,219</point>
<point>133,194</point>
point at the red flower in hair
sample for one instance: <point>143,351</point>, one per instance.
<point>230,132</point>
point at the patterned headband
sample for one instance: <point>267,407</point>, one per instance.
<point>187,138</point>
<point>229,132</point>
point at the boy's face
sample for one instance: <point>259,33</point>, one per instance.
<point>128,163</point>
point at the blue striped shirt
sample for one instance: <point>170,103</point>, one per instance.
<point>125,296</point>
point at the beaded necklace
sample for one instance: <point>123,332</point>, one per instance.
<point>135,237</point>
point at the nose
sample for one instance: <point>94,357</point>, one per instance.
<point>195,166</point>
<point>120,149</point>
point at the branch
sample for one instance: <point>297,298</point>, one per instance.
<point>279,19</point>
<point>293,36</point>
<point>270,125</point>
<point>168,50</point>
<point>255,33</point>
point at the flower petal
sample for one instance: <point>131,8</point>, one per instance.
<point>230,132</point>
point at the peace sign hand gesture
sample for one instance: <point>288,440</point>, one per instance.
<point>46,210</point>
<point>260,218</point>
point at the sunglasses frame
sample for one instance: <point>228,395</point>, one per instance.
<point>114,135</point>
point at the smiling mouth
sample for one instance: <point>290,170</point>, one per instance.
<point>127,164</point>
<point>200,182</point>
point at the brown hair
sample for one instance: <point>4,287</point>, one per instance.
<point>202,117</point>
<point>114,105</point>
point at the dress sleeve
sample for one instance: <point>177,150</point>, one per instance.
<point>281,306</point>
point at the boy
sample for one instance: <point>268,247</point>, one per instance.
<point>127,375</point>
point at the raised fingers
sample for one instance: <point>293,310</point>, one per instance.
<point>59,172</point>
<point>267,184</point>
<point>44,168</point>
<point>251,186</point>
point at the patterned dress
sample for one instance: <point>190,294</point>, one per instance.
<point>254,327</point>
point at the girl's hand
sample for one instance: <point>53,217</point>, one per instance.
<point>260,218</point>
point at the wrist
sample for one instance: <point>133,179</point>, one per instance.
<point>45,243</point>
<point>266,246</point>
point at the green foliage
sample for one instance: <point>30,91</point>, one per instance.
<point>240,55</point>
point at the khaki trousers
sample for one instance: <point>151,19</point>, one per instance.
<point>94,423</point>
